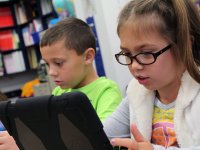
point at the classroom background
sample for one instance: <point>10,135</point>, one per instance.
<point>22,72</point>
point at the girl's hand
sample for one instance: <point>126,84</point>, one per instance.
<point>7,142</point>
<point>140,143</point>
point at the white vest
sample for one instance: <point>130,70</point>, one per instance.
<point>187,110</point>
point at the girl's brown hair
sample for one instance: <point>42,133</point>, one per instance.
<point>177,20</point>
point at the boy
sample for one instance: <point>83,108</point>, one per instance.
<point>68,48</point>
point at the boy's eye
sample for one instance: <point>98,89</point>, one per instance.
<point>58,63</point>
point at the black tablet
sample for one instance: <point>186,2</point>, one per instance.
<point>66,122</point>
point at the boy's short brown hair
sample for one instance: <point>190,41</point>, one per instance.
<point>77,34</point>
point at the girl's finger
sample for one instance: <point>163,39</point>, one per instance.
<point>136,133</point>
<point>125,142</point>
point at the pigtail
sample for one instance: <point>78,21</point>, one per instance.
<point>182,37</point>
<point>185,27</point>
<point>194,16</point>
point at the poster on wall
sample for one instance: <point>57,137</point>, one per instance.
<point>64,8</point>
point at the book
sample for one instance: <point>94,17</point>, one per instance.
<point>6,40</point>
<point>32,58</point>
<point>28,39</point>
<point>6,18</point>
<point>9,40</point>
<point>46,7</point>
<point>16,41</point>
<point>14,62</point>
<point>20,13</point>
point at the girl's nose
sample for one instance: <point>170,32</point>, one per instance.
<point>135,65</point>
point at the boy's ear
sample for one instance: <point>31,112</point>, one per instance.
<point>89,55</point>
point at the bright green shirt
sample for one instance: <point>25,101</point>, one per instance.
<point>104,95</point>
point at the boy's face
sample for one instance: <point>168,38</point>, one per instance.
<point>67,69</point>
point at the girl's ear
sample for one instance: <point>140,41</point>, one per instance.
<point>89,56</point>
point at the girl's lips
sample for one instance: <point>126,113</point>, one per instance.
<point>142,80</point>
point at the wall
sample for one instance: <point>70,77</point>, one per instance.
<point>105,13</point>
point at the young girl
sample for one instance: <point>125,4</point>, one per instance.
<point>160,44</point>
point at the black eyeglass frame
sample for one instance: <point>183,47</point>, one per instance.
<point>155,55</point>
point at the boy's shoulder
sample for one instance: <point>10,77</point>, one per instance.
<point>59,91</point>
<point>101,83</point>
<point>105,81</point>
<point>104,84</point>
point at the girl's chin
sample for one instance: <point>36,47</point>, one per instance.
<point>149,87</point>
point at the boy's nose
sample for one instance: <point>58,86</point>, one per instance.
<point>52,72</point>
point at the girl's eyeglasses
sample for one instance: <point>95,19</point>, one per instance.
<point>144,58</point>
